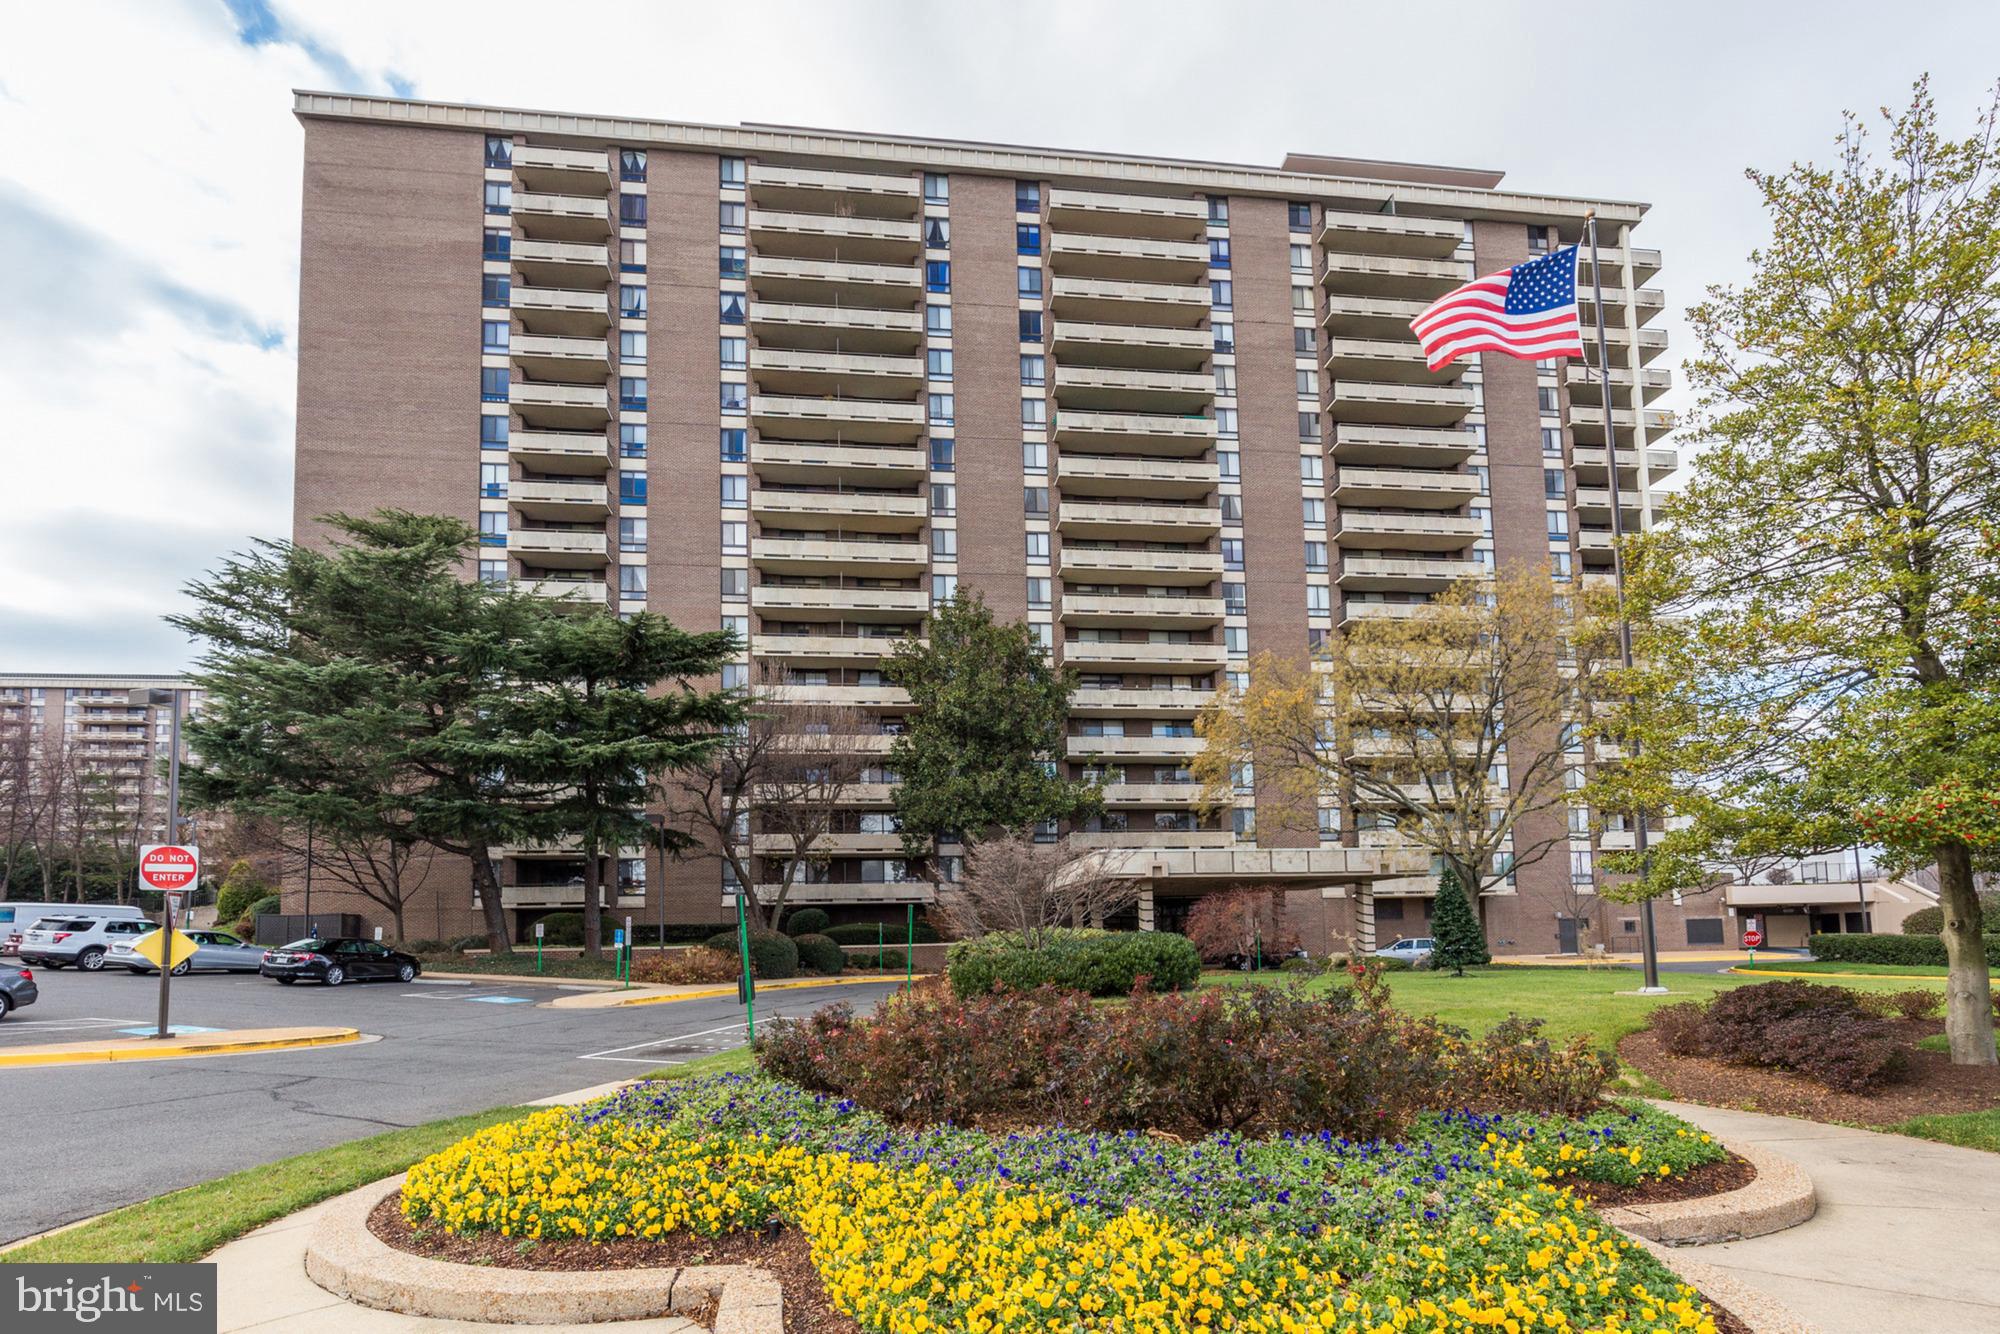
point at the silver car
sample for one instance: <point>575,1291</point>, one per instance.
<point>215,952</point>
<point>1412,950</point>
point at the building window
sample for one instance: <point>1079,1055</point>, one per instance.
<point>632,393</point>
<point>1028,282</point>
<point>1036,499</point>
<point>735,397</point>
<point>1319,600</point>
<point>1235,599</point>
<point>735,444</point>
<point>493,481</point>
<point>1038,593</point>
<point>735,538</point>
<point>937,275</point>
<point>492,528</point>
<point>733,172</point>
<point>497,246</point>
<point>937,321</point>
<point>493,573</point>
<point>937,233</point>
<point>1308,384</point>
<point>732,307</point>
<point>1218,209</point>
<point>1315,512</point>
<point>944,587</point>
<point>1235,640</point>
<point>730,216</point>
<point>631,488</point>
<point>1034,413</point>
<point>1225,378</point>
<point>1221,293</point>
<point>493,384</point>
<point>632,534</point>
<point>937,363</point>
<point>1225,421</point>
<point>1558,523</point>
<point>733,262</point>
<point>735,353</point>
<point>1302,264</point>
<point>632,256</point>
<point>499,152</point>
<point>1552,442</point>
<point>1034,370</point>
<point>1034,456</point>
<point>735,584</point>
<point>499,198</point>
<point>632,582</point>
<point>632,440</point>
<point>631,210</point>
<point>631,301</point>
<point>1031,326</point>
<point>944,498</point>
<point>940,410</point>
<point>1547,400</point>
<point>735,491</point>
<point>1028,238</point>
<point>1038,548</point>
<point>631,164</point>
<point>1304,341</point>
<point>942,451</point>
<point>1218,252</point>
<point>1311,469</point>
<point>1230,507</point>
<point>1027,196</point>
<point>944,543</point>
<point>1538,239</point>
<point>631,346</point>
<point>493,336</point>
<point>1316,556</point>
<point>937,188</point>
<point>1229,464</point>
<point>1554,485</point>
<point>1704,930</point>
<point>1225,336</point>
<point>1232,553</point>
<point>493,432</point>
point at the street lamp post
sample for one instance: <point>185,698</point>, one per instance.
<point>1860,889</point>
<point>149,697</point>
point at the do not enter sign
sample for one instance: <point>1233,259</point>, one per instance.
<point>169,867</point>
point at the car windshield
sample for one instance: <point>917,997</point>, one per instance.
<point>308,946</point>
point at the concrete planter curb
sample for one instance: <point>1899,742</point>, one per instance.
<point>1782,1196</point>
<point>1764,1315</point>
<point>351,1262</point>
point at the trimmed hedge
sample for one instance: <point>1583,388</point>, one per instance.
<point>247,928</point>
<point>772,954</point>
<point>1875,947</point>
<point>807,922</point>
<point>1099,963</point>
<point>1930,921</point>
<point>893,933</point>
<point>892,960</point>
<point>817,954</point>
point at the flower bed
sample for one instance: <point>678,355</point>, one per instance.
<point>1465,1221</point>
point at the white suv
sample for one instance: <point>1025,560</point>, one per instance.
<point>56,942</point>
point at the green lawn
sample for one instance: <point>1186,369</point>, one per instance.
<point>1973,1130</point>
<point>1829,966</point>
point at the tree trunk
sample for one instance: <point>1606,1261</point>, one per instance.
<point>1968,994</point>
<point>593,915</point>
<point>490,906</point>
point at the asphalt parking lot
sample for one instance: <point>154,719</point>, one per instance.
<point>85,1138</point>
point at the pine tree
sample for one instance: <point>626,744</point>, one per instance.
<point>1457,939</point>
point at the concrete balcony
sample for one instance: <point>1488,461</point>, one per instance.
<point>1134,432</point>
<point>853,895</point>
<point>1399,404</point>
<point>1118,749</point>
<point>1092,565</point>
<point>560,407</point>
<point>1593,505</point>
<point>1136,345</point>
<point>1152,794</point>
<point>564,590</point>
<point>811,190</point>
<point>1648,302</point>
<point>1389,234</point>
<point>1112,388</point>
<point>1113,521</point>
<point>812,462</point>
<point>1353,610</point>
<point>1650,344</point>
<point>1410,532</point>
<point>831,236</point>
<point>825,650</point>
<point>565,896</point>
<point>1593,466</point>
<point>584,453</point>
<point>841,419</point>
<point>560,263</point>
<point>859,512</point>
<point>571,312</point>
<point>1128,215</point>
<point>551,217</point>
<point>1617,840</point>
<point>1393,276</point>
<point>799,603</point>
<point>1587,427</point>
<point>1585,393</point>
<point>1155,838</point>
<point>1384,360</point>
<point>1091,655</point>
<point>838,556</point>
<point>1645,265</point>
<point>1136,475</point>
<point>1404,488</point>
<point>858,697</point>
<point>1139,259</point>
<point>813,372</point>
<point>559,170</point>
<point>558,547</point>
<point>569,360</point>
<point>1139,611</point>
<point>1362,444</point>
<point>1595,541</point>
<point>845,845</point>
<point>836,328</point>
<point>826,282</point>
<point>566,501</point>
<point>1348,316</point>
<point>1608,752</point>
<point>1413,574</point>
<point>1093,701</point>
<point>1110,301</point>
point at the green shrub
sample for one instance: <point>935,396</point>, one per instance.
<point>460,944</point>
<point>817,954</point>
<point>247,928</point>
<point>893,933</point>
<point>1930,921</point>
<point>1875,947</point>
<point>1099,963</point>
<point>772,953</point>
<point>241,887</point>
<point>426,948</point>
<point>807,922</point>
<point>1298,965</point>
<point>893,960</point>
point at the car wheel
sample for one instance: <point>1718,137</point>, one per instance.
<point>90,960</point>
<point>407,973</point>
<point>335,975</point>
<point>284,981</point>
<point>5,1005</point>
<point>182,968</point>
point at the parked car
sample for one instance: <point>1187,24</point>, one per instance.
<point>1412,950</point>
<point>83,941</point>
<point>17,987</point>
<point>337,960</point>
<point>17,916</point>
<point>215,952</point>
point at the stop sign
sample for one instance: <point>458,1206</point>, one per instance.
<point>168,867</point>
<point>1752,938</point>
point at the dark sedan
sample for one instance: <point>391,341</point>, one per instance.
<point>17,987</point>
<point>341,959</point>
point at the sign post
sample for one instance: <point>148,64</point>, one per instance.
<point>631,944</point>
<point>747,988</point>
<point>171,869</point>
<point>910,950</point>
<point>538,947</point>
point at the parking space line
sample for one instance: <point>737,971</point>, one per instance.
<point>609,1053</point>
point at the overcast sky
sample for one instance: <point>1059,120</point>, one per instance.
<point>149,182</point>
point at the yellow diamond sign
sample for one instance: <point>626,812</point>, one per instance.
<point>150,945</point>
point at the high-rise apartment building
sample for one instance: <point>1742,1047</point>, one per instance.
<point>804,384</point>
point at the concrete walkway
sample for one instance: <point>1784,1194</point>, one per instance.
<point>1907,1235</point>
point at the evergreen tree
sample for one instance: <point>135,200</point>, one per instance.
<point>1456,937</point>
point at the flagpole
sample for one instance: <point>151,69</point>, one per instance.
<point>1649,944</point>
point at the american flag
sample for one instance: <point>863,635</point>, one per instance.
<point>1528,311</point>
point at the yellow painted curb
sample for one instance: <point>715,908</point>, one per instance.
<point>145,1049</point>
<point>763,987</point>
<point>1871,977</point>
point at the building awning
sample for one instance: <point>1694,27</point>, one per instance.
<point>1807,896</point>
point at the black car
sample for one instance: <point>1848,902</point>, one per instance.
<point>17,987</point>
<point>340,959</point>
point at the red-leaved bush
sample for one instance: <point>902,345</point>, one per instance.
<point>1829,1034</point>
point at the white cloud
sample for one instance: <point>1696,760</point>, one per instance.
<point>149,181</point>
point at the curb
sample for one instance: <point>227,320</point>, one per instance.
<point>1759,1313</point>
<point>137,1050</point>
<point>1782,1196</point>
<point>594,1000</point>
<point>524,980</point>
<point>351,1262</point>
<point>1873,977</point>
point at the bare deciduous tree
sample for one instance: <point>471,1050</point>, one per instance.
<point>1013,882</point>
<point>1241,922</point>
<point>387,872</point>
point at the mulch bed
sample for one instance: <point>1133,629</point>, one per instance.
<point>1933,1086</point>
<point>1732,1173</point>
<point>782,1252</point>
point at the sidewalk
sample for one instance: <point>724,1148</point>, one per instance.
<point>223,1042</point>
<point>657,995</point>
<point>1907,1235</point>
<point>1617,960</point>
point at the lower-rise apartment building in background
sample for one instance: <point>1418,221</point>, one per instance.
<point>804,384</point>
